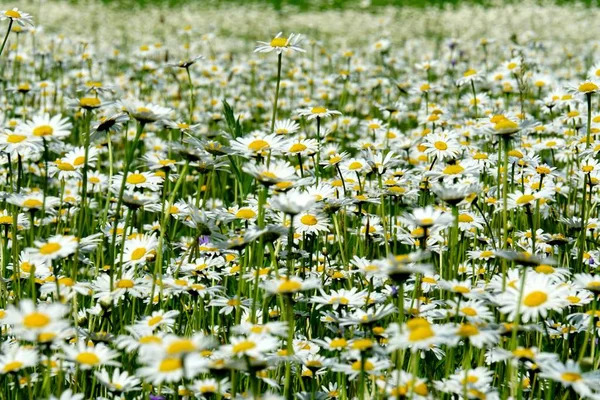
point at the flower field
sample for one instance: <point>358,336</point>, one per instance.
<point>233,202</point>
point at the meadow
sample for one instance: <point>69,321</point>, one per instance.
<point>227,201</point>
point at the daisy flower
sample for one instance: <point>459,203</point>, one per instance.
<point>45,127</point>
<point>256,346</point>
<point>163,368</point>
<point>540,295</point>
<point>441,145</point>
<point>16,143</point>
<point>286,127</point>
<point>502,125</point>
<point>257,144</point>
<point>416,334</point>
<point>469,76</point>
<point>570,375</point>
<point>428,217</point>
<point>14,358</point>
<point>145,112</point>
<point>311,222</point>
<point>290,285</point>
<point>292,202</point>
<point>317,112</point>
<point>281,44</point>
<point>33,323</point>
<point>89,357</point>
<point>118,382</point>
<point>54,248</point>
<point>527,198</point>
<point>20,17</point>
<point>138,180</point>
<point>138,249</point>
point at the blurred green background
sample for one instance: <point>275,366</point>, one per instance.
<point>340,4</point>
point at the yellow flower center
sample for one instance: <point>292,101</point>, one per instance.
<point>362,344</point>
<point>169,365</point>
<point>43,130</point>
<point>544,269</point>
<point>149,339</point>
<point>469,311</point>
<point>461,289</point>
<point>573,299</point>
<point>338,343</point>
<point>14,365</point>
<point>309,220</point>
<point>66,281</point>
<point>535,299</point>
<point>318,110</point>
<point>368,365</point>
<point>12,14</point>
<point>453,170</point>
<point>32,203</point>
<point>524,353</point>
<point>243,346</point>
<point>65,166</point>
<point>543,170</point>
<point>466,330</point>
<point>440,145</point>
<point>279,42</point>
<point>465,218</point>
<point>124,284</point>
<point>587,87</point>
<point>155,320</point>
<point>14,138</point>
<point>181,346</point>
<point>297,148</point>
<point>420,333</point>
<point>525,199</point>
<point>50,248</point>
<point>335,159</point>
<point>136,179</point>
<point>420,329</point>
<point>245,213</point>
<point>289,286</point>
<point>208,388</point>
<point>506,124</point>
<point>258,145</point>
<point>571,376</point>
<point>36,320</point>
<point>469,72</point>
<point>587,168</point>
<point>138,253</point>
<point>354,166</point>
<point>87,358</point>
<point>89,102</point>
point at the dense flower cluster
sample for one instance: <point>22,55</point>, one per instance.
<point>304,220</point>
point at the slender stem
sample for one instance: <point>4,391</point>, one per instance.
<point>589,119</point>
<point>475,98</point>
<point>10,24</point>
<point>192,105</point>
<point>276,93</point>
